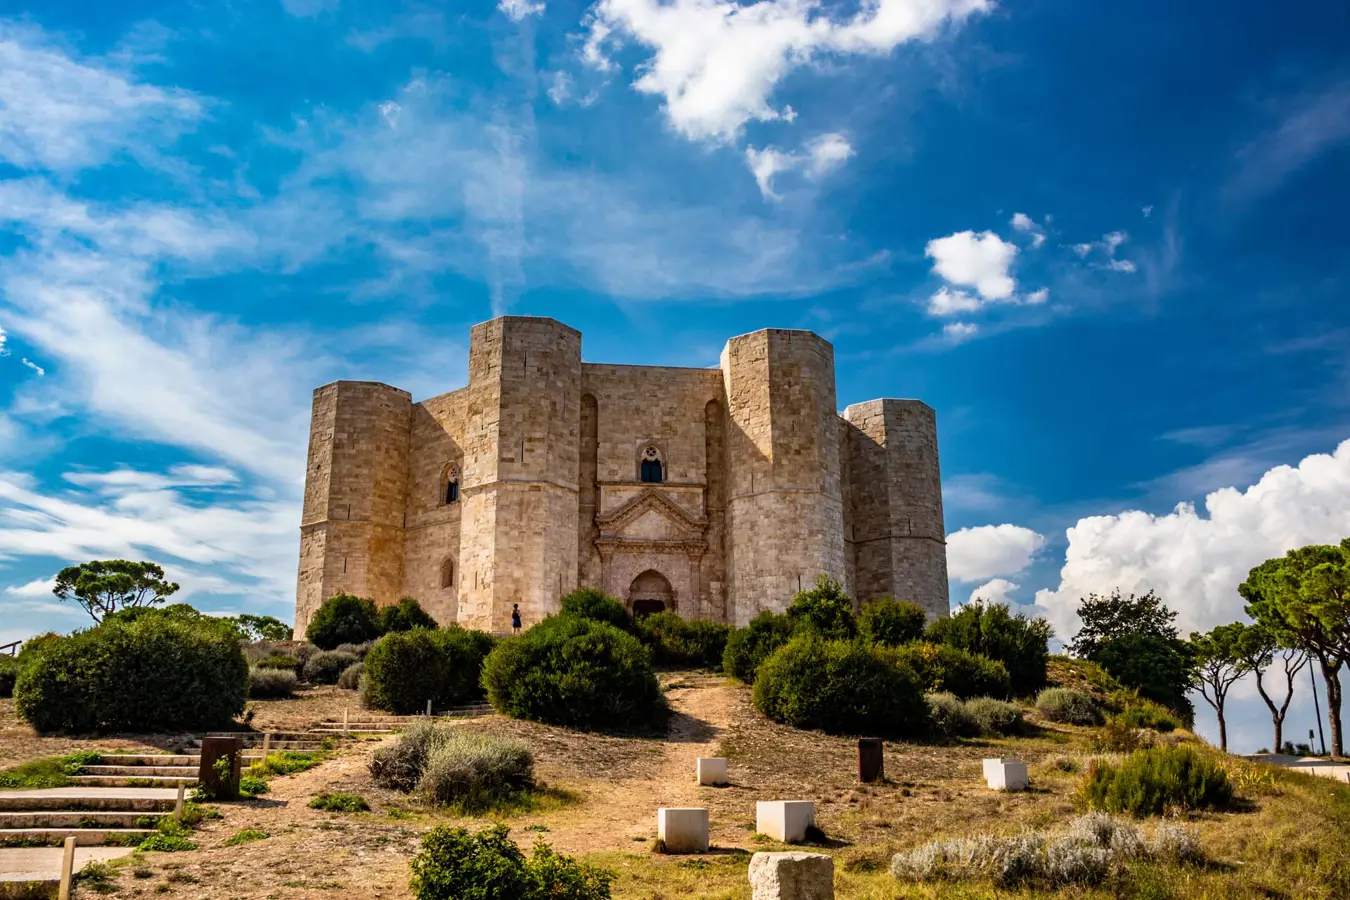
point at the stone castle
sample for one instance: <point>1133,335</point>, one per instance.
<point>715,493</point>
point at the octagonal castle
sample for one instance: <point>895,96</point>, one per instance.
<point>715,493</point>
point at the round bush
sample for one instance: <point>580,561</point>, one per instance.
<point>325,666</point>
<point>304,652</point>
<point>891,623</point>
<point>399,767</point>
<point>270,684</point>
<point>840,687</point>
<point>574,672</point>
<point>357,650</point>
<point>407,668</point>
<point>405,615</point>
<point>676,641</point>
<point>350,679</point>
<point>589,603</point>
<point>996,716</point>
<point>472,771</point>
<point>949,715</point>
<point>1147,714</point>
<point>343,619</point>
<point>1149,782</point>
<point>456,865</point>
<point>991,630</point>
<point>825,610</point>
<point>1068,706</point>
<point>942,668</point>
<point>748,647</point>
<point>153,674</point>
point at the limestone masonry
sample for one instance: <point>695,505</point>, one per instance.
<point>715,493</point>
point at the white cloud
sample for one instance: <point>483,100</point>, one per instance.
<point>4,338</point>
<point>1023,222</point>
<point>988,551</point>
<point>948,302</point>
<point>1122,265</point>
<point>519,10</point>
<point>957,332</point>
<point>561,88</point>
<point>1195,561</point>
<point>59,113</point>
<point>981,261</point>
<point>1309,126</point>
<point>828,152</point>
<point>716,63</point>
<point>41,587</point>
<point>1035,298</point>
<point>765,165</point>
<point>1083,249</point>
<point>995,591</point>
<point>1107,247</point>
<point>1147,210</point>
<point>35,367</point>
<point>820,156</point>
<point>1037,241</point>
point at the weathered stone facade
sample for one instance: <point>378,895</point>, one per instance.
<point>713,492</point>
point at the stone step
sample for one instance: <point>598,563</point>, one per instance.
<point>133,781</point>
<point>148,759</point>
<point>356,729</point>
<point>142,771</point>
<point>84,837</point>
<point>303,746</point>
<point>69,799</point>
<point>69,818</point>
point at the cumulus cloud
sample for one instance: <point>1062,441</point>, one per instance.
<point>817,158</point>
<point>988,551</point>
<point>1196,559</point>
<point>1105,250</point>
<point>716,63</point>
<point>957,332</point>
<point>981,261</point>
<point>519,10</point>
<point>948,302</point>
<point>995,591</point>
<point>1023,222</point>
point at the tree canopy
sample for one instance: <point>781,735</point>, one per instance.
<point>105,586</point>
<point>1219,662</point>
<point>1106,618</point>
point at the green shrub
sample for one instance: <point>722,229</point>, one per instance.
<point>166,843</point>
<point>890,622</point>
<point>943,668</point>
<point>1147,714</point>
<point>343,619</point>
<point>456,865</point>
<point>9,673</point>
<point>357,650</point>
<point>304,652</point>
<point>1149,782</point>
<point>825,610</point>
<point>991,630</point>
<point>996,716</point>
<point>407,668</point>
<point>405,615</point>
<point>153,674</point>
<point>840,687</point>
<point>589,603</point>
<point>676,641</point>
<point>347,803</point>
<point>253,785</point>
<point>748,647</point>
<point>575,672</point>
<point>949,716</point>
<point>399,767</point>
<point>279,661</point>
<point>245,836</point>
<point>1068,706</point>
<point>350,679</point>
<point>325,667</point>
<point>472,771</point>
<point>270,684</point>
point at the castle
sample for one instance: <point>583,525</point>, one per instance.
<point>715,493</point>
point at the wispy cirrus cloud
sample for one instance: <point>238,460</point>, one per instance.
<point>1306,127</point>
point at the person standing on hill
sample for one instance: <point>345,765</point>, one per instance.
<point>515,618</point>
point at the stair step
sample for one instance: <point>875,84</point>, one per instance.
<point>84,837</point>
<point>133,781</point>
<point>76,799</point>
<point>57,818</point>
<point>146,759</point>
<point>142,771</point>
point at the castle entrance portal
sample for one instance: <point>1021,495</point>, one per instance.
<point>650,593</point>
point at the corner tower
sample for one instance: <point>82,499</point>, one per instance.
<point>897,535</point>
<point>784,512</point>
<point>351,533</point>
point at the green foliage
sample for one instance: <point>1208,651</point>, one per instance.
<point>890,622</point>
<point>472,771</point>
<point>286,762</point>
<point>158,673</point>
<point>840,687</point>
<point>991,630</point>
<point>1220,660</point>
<point>996,716</point>
<point>345,803</point>
<point>676,641</point>
<point>343,619</point>
<point>253,786</point>
<point>1139,713</point>
<point>1108,618</point>
<point>103,587</point>
<point>456,865</point>
<point>270,684</point>
<point>405,615</point>
<point>590,603</point>
<point>1159,669</point>
<point>260,628</point>
<point>748,647</point>
<point>350,679</point>
<point>824,610</point>
<point>325,666</point>
<point>1068,706</point>
<point>574,672</point>
<point>944,668</point>
<point>407,668</point>
<point>280,661</point>
<point>949,716</point>
<point>1149,782</point>
<point>246,835</point>
<point>50,772</point>
<point>399,767</point>
<point>9,673</point>
<point>166,843</point>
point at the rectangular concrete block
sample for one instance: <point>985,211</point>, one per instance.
<point>1006,774</point>
<point>791,876</point>
<point>784,820</point>
<point>682,830</point>
<point>712,770</point>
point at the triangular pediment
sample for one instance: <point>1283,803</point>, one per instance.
<point>651,516</point>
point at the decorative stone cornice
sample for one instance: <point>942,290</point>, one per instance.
<point>651,500</point>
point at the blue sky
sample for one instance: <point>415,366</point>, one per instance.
<point>1105,243</point>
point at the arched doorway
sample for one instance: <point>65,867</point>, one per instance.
<point>650,593</point>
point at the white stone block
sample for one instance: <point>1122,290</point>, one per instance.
<point>791,876</point>
<point>784,820</point>
<point>1006,774</point>
<point>682,830</point>
<point>712,770</point>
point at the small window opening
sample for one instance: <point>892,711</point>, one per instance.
<point>448,574</point>
<point>651,466</point>
<point>452,486</point>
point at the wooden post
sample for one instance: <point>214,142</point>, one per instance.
<point>178,804</point>
<point>344,720</point>
<point>428,707</point>
<point>67,869</point>
<point>267,744</point>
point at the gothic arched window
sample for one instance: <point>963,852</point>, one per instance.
<point>651,470</point>
<point>452,485</point>
<point>448,573</point>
